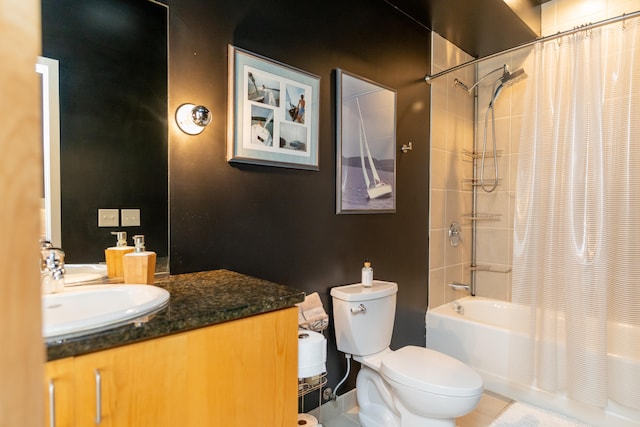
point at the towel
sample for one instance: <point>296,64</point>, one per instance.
<point>311,314</point>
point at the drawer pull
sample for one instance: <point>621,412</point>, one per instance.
<point>98,398</point>
<point>52,404</point>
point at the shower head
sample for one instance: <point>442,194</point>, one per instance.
<point>510,78</point>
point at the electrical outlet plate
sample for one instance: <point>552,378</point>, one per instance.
<point>108,218</point>
<point>130,217</point>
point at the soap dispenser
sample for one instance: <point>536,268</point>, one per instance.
<point>114,255</point>
<point>139,265</point>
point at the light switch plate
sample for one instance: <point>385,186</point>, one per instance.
<point>108,218</point>
<point>130,217</point>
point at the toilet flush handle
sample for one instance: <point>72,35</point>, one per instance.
<point>359,309</point>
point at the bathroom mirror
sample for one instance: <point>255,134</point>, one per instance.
<point>113,120</point>
<point>50,201</point>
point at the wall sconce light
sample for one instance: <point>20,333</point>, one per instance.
<point>192,119</point>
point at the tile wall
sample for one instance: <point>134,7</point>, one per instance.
<point>495,233</point>
<point>452,173</point>
<point>451,133</point>
<point>561,15</point>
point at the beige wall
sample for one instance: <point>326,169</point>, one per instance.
<point>450,197</point>
<point>452,136</point>
<point>562,15</point>
<point>495,234</point>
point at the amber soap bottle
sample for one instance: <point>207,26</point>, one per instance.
<point>114,255</point>
<point>139,265</point>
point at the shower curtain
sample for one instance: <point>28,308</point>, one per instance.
<point>576,259</point>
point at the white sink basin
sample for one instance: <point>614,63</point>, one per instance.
<point>91,308</point>
<point>76,274</point>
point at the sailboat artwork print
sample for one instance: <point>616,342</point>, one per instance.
<point>366,139</point>
<point>273,113</point>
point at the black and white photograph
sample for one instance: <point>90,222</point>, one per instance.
<point>263,89</point>
<point>366,141</point>
<point>262,125</point>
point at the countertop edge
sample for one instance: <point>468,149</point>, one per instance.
<point>197,300</point>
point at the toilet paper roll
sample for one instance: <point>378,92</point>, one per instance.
<point>312,353</point>
<point>307,420</point>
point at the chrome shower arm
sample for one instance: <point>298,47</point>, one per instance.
<point>504,68</point>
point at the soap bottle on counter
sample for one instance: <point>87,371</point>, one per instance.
<point>115,254</point>
<point>139,265</point>
<point>367,274</point>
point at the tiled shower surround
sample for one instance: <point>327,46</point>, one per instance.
<point>452,176</point>
<point>452,135</point>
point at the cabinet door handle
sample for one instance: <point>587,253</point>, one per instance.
<point>52,404</point>
<point>98,419</point>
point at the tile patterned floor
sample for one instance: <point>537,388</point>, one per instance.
<point>489,408</point>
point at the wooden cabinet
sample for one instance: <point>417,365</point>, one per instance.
<point>244,371</point>
<point>223,375</point>
<point>58,393</point>
<point>134,385</point>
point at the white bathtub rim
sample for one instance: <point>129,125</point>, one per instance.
<point>614,415</point>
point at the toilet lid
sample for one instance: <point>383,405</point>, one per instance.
<point>431,371</point>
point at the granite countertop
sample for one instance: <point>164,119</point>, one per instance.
<point>197,300</point>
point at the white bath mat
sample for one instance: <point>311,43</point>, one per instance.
<point>521,415</point>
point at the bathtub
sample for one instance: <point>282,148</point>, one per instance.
<point>488,335</point>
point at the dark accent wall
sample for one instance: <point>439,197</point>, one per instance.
<point>280,224</point>
<point>113,118</point>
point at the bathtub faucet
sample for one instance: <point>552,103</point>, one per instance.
<point>457,307</point>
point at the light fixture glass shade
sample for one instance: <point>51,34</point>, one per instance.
<point>192,119</point>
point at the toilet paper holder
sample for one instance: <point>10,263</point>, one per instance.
<point>307,385</point>
<point>312,357</point>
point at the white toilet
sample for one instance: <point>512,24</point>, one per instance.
<point>409,387</point>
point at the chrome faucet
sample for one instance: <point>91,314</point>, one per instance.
<point>51,268</point>
<point>457,307</point>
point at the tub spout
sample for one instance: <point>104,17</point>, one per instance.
<point>457,307</point>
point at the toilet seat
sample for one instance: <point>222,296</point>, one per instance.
<point>430,371</point>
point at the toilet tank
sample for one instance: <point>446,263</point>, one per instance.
<point>363,317</point>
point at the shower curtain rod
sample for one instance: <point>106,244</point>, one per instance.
<point>428,78</point>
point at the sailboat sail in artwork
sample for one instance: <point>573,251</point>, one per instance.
<point>378,189</point>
